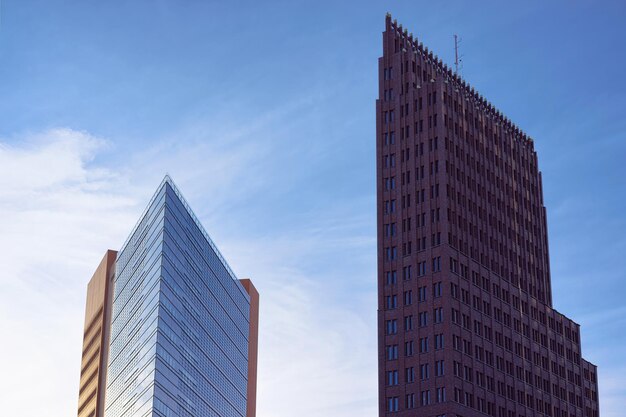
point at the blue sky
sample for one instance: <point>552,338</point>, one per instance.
<point>263,113</point>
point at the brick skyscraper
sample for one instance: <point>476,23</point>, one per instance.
<point>466,323</point>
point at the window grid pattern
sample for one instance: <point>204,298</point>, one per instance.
<point>179,335</point>
<point>460,202</point>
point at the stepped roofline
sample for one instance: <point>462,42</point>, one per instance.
<point>449,76</point>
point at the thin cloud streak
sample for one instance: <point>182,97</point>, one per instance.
<point>327,347</point>
<point>57,216</point>
<point>55,228</point>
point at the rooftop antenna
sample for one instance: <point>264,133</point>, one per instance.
<point>458,59</point>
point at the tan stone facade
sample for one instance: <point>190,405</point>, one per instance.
<point>96,339</point>
<point>253,345</point>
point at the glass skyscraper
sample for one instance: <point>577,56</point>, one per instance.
<point>180,342</point>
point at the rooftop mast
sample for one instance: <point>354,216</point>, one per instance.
<point>457,59</point>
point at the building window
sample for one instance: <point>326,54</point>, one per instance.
<point>409,375</point>
<point>437,264</point>
<point>424,345</point>
<point>406,272</point>
<point>408,348</point>
<point>454,265</point>
<point>392,378</point>
<point>438,314</point>
<point>421,292</point>
<point>408,323</point>
<point>439,341</point>
<point>421,266</point>
<point>423,319</point>
<point>390,183</point>
<point>441,394</point>
<point>439,368</point>
<point>387,73</point>
<point>392,352</point>
<point>424,371</point>
<point>392,404</point>
<point>408,298</point>
<point>390,229</point>
<point>410,401</point>
<point>437,289</point>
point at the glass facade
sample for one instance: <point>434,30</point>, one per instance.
<point>180,323</point>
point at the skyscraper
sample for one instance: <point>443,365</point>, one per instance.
<point>465,317</point>
<point>183,329</point>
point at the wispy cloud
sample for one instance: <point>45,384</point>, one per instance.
<point>318,338</point>
<point>57,216</point>
<point>62,207</point>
